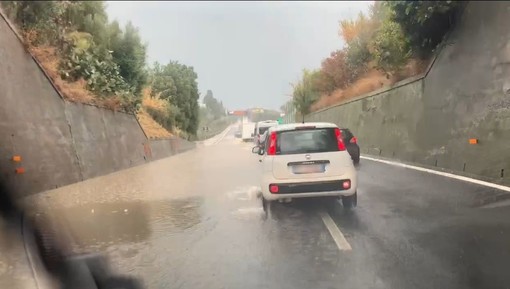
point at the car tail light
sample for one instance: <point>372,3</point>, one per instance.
<point>341,145</point>
<point>273,189</point>
<point>346,184</point>
<point>272,144</point>
<point>354,140</point>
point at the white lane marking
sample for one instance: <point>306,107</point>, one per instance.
<point>335,232</point>
<point>448,175</point>
<point>217,138</point>
<point>222,135</point>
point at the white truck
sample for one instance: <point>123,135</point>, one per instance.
<point>248,130</point>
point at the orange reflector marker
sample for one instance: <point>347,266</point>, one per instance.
<point>473,141</point>
<point>16,159</point>
<point>20,170</point>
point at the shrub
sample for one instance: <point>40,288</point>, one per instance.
<point>390,48</point>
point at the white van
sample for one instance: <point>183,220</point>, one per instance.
<point>247,131</point>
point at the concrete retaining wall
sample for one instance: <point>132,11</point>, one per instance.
<point>61,142</point>
<point>464,95</point>
<point>105,141</point>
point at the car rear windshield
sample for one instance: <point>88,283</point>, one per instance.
<point>306,141</point>
<point>262,130</point>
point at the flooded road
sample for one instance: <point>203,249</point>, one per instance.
<point>195,220</point>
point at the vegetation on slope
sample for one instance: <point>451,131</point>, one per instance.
<point>93,60</point>
<point>394,41</point>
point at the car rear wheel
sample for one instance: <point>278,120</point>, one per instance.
<point>266,205</point>
<point>350,201</point>
<point>356,158</point>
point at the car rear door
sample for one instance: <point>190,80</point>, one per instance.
<point>308,153</point>
<point>346,135</point>
<point>351,143</point>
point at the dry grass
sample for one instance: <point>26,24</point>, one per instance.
<point>152,102</point>
<point>113,103</point>
<point>179,132</point>
<point>75,91</point>
<point>151,128</point>
<point>370,81</point>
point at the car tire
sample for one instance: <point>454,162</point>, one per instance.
<point>266,205</point>
<point>351,201</point>
<point>356,158</point>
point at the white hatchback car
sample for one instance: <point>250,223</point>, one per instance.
<point>303,160</point>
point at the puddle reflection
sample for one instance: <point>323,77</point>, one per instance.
<point>101,225</point>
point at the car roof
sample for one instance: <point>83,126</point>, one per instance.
<point>293,126</point>
<point>267,122</point>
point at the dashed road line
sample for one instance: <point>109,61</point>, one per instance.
<point>335,232</point>
<point>444,174</point>
<point>217,138</point>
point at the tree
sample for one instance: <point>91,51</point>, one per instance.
<point>390,48</point>
<point>89,17</point>
<point>334,73</point>
<point>163,84</point>
<point>304,93</point>
<point>112,61</point>
<point>130,54</point>
<point>350,30</point>
<point>215,107</point>
<point>44,17</point>
<point>424,23</point>
<point>357,34</point>
<point>177,84</point>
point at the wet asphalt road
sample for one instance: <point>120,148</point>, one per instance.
<point>194,221</point>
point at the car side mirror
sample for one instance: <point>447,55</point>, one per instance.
<point>256,150</point>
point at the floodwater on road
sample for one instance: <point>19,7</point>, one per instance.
<point>196,220</point>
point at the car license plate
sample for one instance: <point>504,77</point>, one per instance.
<point>308,169</point>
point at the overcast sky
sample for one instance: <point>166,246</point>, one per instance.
<point>247,53</point>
